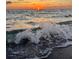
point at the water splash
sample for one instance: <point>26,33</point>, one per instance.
<point>26,34</point>
<point>40,43</point>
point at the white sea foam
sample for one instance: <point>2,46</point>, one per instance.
<point>26,34</point>
<point>49,37</point>
<point>59,32</point>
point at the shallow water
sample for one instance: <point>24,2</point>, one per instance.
<point>22,19</point>
<point>33,34</point>
<point>40,43</point>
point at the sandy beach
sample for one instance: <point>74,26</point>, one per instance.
<point>61,53</point>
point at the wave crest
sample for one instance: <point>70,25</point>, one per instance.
<point>42,42</point>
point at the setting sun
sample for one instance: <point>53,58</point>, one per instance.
<point>38,4</point>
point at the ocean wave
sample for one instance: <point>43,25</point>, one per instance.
<point>25,24</point>
<point>30,14</point>
<point>39,44</point>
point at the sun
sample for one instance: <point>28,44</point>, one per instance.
<point>38,6</point>
<point>35,5</point>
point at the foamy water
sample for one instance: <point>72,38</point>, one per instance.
<point>43,41</point>
<point>34,35</point>
<point>23,19</point>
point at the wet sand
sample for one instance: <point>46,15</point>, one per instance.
<point>61,53</point>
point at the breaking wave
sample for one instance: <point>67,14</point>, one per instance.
<point>38,44</point>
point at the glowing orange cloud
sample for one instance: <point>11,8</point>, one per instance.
<point>38,5</point>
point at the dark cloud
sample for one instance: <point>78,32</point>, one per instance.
<point>8,2</point>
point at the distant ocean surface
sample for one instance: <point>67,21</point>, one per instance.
<point>17,19</point>
<point>21,14</point>
<point>37,32</point>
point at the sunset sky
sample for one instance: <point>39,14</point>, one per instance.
<point>38,4</point>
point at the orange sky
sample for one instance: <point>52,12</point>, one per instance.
<point>38,4</point>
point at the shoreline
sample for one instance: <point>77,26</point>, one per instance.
<point>61,53</point>
<point>22,29</point>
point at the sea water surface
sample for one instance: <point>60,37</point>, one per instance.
<point>34,34</point>
<point>22,19</point>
